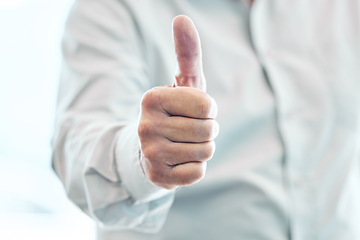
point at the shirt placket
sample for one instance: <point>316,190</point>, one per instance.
<point>289,127</point>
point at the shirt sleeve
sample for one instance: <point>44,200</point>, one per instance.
<point>95,144</point>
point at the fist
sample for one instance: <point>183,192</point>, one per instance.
<point>176,125</point>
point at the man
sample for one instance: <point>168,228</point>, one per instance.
<point>285,76</point>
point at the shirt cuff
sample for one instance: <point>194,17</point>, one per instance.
<point>131,173</point>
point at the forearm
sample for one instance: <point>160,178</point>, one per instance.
<point>95,145</point>
<point>86,159</point>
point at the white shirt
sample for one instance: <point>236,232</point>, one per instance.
<point>286,78</point>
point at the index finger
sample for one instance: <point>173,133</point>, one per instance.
<point>188,102</point>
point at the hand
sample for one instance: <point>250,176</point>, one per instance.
<point>176,125</point>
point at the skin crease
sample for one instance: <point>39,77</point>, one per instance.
<point>177,124</point>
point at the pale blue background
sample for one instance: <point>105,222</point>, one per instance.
<point>32,202</point>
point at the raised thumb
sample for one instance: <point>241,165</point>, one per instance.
<point>188,51</point>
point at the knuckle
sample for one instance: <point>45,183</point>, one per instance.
<point>154,168</point>
<point>154,172</point>
<point>185,181</point>
<point>196,176</point>
<point>209,150</point>
<point>208,106</point>
<point>151,153</point>
<point>145,129</point>
<point>192,176</point>
<point>150,99</point>
<point>205,106</point>
<point>210,130</point>
<point>154,177</point>
<point>147,99</point>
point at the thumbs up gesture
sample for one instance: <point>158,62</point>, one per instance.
<point>176,124</point>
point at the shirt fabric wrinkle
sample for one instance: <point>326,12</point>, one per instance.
<point>286,83</point>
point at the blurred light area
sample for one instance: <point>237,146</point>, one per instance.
<point>30,61</point>
<point>12,3</point>
<point>44,227</point>
<point>33,204</point>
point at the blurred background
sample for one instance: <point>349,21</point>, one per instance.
<point>33,204</point>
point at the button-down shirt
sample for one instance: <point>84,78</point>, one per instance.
<point>286,78</point>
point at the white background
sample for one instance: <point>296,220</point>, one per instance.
<point>32,201</point>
